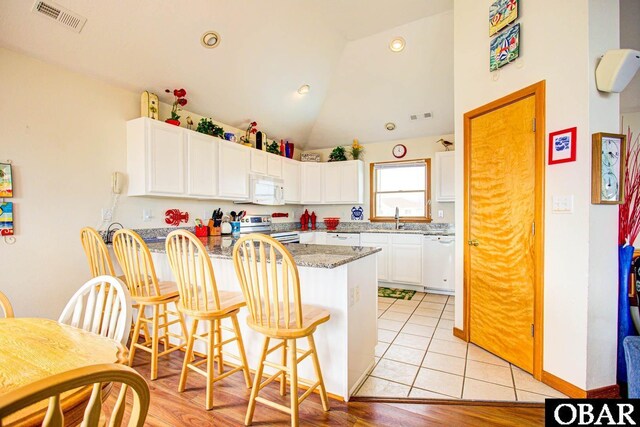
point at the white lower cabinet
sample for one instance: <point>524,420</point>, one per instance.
<point>343,239</point>
<point>379,240</point>
<point>400,260</point>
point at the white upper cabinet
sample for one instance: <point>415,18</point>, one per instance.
<point>202,162</point>
<point>343,182</point>
<point>155,158</point>
<point>291,178</point>
<point>235,165</point>
<point>274,165</point>
<point>445,171</point>
<point>312,178</point>
<point>259,162</point>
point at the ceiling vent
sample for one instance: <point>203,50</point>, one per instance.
<point>61,15</point>
<point>420,116</point>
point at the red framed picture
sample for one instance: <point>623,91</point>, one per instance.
<point>562,146</point>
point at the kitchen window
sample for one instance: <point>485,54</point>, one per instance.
<point>404,185</point>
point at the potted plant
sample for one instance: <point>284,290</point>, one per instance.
<point>356,150</point>
<point>273,148</point>
<point>179,101</point>
<point>207,127</point>
<point>337,155</point>
<point>251,129</point>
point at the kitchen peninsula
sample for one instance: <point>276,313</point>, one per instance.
<point>342,280</point>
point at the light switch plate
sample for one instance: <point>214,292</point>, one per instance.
<point>562,204</point>
<point>440,213</point>
<point>107,214</point>
<point>146,215</point>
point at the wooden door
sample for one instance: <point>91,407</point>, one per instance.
<point>501,215</point>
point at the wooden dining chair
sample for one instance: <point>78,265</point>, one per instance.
<point>100,263</point>
<point>147,291</point>
<point>271,286</point>
<point>95,375</point>
<point>102,306</point>
<point>201,300</point>
<point>5,306</point>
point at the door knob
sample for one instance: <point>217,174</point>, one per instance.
<point>473,243</point>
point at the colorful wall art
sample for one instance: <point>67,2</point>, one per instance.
<point>501,14</point>
<point>6,182</point>
<point>505,47</point>
<point>6,219</point>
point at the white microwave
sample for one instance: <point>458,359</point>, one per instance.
<point>266,190</point>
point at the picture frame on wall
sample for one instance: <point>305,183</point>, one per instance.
<point>562,146</point>
<point>501,14</point>
<point>608,162</point>
<point>6,219</point>
<point>504,48</point>
<point>6,181</point>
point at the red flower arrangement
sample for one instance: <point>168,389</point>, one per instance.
<point>629,211</point>
<point>180,101</point>
<point>251,129</point>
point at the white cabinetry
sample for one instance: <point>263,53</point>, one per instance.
<point>343,239</point>
<point>202,162</point>
<point>312,178</point>
<point>313,237</point>
<point>445,186</point>
<point>438,270</point>
<point>406,259</point>
<point>155,158</point>
<point>274,165</point>
<point>343,182</point>
<point>379,240</point>
<point>291,178</point>
<point>259,162</point>
<point>234,171</point>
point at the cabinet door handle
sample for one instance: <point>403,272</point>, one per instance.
<point>473,243</point>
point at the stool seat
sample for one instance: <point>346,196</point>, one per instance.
<point>230,302</point>
<point>312,316</point>
<point>168,291</point>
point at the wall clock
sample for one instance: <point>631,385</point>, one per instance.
<point>608,168</point>
<point>399,151</point>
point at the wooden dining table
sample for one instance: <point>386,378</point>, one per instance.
<point>32,349</point>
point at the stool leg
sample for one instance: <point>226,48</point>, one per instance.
<point>210,357</point>
<point>136,334</point>
<point>218,332</point>
<point>243,355</point>
<point>283,377</point>
<point>154,343</point>
<point>257,379</point>
<point>165,328</point>
<point>316,367</point>
<point>293,369</point>
<point>188,357</point>
<point>183,327</point>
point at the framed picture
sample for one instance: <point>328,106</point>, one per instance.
<point>505,48</point>
<point>608,161</point>
<point>562,146</point>
<point>6,182</point>
<point>6,219</point>
<point>501,14</point>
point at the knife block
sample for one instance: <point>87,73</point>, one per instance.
<point>213,231</point>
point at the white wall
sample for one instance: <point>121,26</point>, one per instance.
<point>568,73</point>
<point>417,148</point>
<point>630,39</point>
<point>66,134</point>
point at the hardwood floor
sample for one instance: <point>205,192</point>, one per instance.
<point>170,408</point>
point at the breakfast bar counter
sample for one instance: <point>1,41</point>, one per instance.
<point>342,280</point>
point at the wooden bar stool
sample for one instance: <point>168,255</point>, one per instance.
<point>5,306</point>
<point>146,291</point>
<point>271,286</point>
<point>100,263</point>
<point>201,301</point>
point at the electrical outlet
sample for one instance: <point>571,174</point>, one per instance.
<point>440,213</point>
<point>146,215</point>
<point>107,214</point>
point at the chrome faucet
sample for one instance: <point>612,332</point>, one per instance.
<point>397,217</point>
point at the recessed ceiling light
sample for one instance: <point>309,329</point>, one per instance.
<point>390,126</point>
<point>210,39</point>
<point>397,44</point>
<point>304,89</point>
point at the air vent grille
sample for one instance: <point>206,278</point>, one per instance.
<point>420,116</point>
<point>63,16</point>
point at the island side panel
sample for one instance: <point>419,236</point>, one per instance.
<point>322,287</point>
<point>362,277</point>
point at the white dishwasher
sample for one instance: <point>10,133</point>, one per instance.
<point>438,264</point>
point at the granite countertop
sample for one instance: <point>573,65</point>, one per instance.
<point>318,256</point>
<point>387,231</point>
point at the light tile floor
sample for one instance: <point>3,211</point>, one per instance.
<point>418,356</point>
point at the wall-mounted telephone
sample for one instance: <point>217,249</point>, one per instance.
<point>116,182</point>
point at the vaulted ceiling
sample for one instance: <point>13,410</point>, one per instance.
<point>268,50</point>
